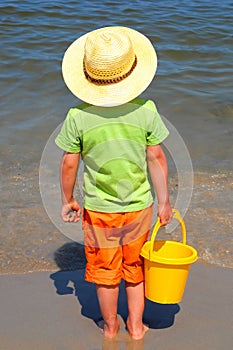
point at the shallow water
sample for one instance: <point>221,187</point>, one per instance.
<point>192,89</point>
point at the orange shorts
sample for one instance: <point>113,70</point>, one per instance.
<point>113,242</point>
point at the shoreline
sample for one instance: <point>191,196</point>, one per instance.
<point>30,239</point>
<point>54,270</point>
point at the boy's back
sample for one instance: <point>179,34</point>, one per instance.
<point>113,142</point>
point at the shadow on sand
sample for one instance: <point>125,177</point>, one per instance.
<point>71,261</point>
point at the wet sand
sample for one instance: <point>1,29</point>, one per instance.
<point>193,89</point>
<point>29,239</point>
<point>34,316</point>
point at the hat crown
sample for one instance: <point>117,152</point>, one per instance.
<point>108,55</point>
<point>109,66</point>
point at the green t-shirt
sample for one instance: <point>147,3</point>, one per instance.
<point>112,142</point>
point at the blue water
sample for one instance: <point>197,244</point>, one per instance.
<point>193,85</point>
<point>192,89</point>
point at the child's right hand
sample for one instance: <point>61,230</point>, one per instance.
<point>71,211</point>
<point>165,213</point>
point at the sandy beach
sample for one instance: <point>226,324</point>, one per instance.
<point>45,302</point>
<point>56,311</point>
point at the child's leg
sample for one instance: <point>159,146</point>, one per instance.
<point>133,270</point>
<point>102,233</point>
<point>108,298</point>
<point>136,303</point>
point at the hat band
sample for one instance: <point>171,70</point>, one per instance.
<point>107,81</point>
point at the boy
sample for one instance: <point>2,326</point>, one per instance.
<point>118,137</point>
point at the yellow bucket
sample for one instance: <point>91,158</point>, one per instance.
<point>166,266</point>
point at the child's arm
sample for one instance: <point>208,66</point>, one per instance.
<point>157,165</point>
<point>71,209</point>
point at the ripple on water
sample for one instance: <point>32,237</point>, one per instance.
<point>193,86</point>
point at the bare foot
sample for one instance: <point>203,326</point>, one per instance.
<point>111,331</point>
<point>137,333</point>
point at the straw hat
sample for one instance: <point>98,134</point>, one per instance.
<point>109,66</point>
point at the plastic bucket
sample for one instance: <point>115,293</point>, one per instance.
<point>166,266</point>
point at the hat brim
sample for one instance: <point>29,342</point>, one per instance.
<point>112,94</point>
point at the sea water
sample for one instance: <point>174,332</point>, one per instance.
<point>192,90</point>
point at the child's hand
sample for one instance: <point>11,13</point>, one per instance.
<point>164,213</point>
<point>71,211</point>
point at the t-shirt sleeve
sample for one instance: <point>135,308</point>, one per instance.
<point>68,138</point>
<point>157,131</point>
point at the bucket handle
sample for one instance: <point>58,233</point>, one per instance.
<point>177,216</point>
